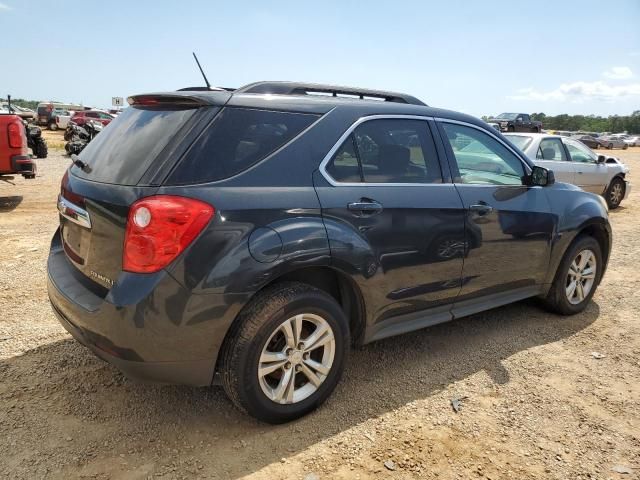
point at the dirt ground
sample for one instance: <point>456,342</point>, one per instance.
<point>544,396</point>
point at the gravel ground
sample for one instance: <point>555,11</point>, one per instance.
<point>536,402</point>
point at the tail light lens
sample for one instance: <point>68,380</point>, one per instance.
<point>159,228</point>
<point>15,135</point>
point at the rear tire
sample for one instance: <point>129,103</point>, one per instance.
<point>258,342</point>
<point>610,146</point>
<point>561,299</point>
<point>615,193</point>
<point>53,126</point>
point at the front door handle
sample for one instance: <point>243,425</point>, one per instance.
<point>481,209</point>
<point>365,207</point>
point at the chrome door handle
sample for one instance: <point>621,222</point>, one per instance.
<point>481,209</point>
<point>365,207</point>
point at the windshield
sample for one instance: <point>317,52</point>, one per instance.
<point>520,141</point>
<point>507,116</point>
<point>124,150</point>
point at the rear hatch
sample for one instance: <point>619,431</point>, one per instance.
<point>125,162</point>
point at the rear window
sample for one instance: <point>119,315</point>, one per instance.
<point>125,149</point>
<point>519,141</point>
<point>236,139</point>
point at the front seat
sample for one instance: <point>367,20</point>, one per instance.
<point>548,153</point>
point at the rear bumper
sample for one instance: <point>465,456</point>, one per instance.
<point>196,373</point>
<point>23,164</point>
<point>148,326</point>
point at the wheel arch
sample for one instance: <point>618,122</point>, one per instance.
<point>595,227</point>
<point>330,280</point>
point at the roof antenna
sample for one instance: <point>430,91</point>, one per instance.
<point>202,71</point>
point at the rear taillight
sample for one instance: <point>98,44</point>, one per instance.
<point>15,135</point>
<point>159,228</point>
<point>65,192</point>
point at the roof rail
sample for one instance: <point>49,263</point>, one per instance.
<point>296,88</point>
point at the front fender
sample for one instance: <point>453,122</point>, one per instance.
<point>577,211</point>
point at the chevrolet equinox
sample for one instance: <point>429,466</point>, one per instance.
<point>249,237</point>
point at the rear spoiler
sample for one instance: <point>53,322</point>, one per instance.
<point>182,99</point>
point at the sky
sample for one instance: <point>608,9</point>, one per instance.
<point>478,57</point>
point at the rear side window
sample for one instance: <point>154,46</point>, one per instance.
<point>235,140</point>
<point>387,151</point>
<point>123,152</point>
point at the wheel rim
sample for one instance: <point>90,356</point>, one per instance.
<point>450,248</point>
<point>581,277</point>
<point>296,359</point>
<point>616,193</point>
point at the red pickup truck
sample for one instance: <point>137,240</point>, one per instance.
<point>14,154</point>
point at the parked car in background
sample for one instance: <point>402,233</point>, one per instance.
<point>251,237</point>
<point>633,141</point>
<point>80,118</point>
<point>24,113</point>
<point>589,141</point>
<point>47,111</point>
<point>612,141</point>
<point>573,162</point>
<point>63,118</point>
<point>516,122</point>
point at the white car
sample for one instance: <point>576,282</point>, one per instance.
<point>633,141</point>
<point>573,162</point>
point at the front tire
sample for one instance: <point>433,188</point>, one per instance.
<point>610,146</point>
<point>53,126</point>
<point>285,353</point>
<point>577,278</point>
<point>615,193</point>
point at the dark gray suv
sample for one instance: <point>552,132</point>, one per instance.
<point>249,237</point>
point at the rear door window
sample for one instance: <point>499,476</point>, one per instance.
<point>387,151</point>
<point>236,139</point>
<point>122,153</point>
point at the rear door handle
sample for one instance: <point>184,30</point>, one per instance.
<point>481,209</point>
<point>365,207</point>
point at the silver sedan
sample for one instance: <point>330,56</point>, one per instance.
<point>573,162</point>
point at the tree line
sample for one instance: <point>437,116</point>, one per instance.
<point>589,123</point>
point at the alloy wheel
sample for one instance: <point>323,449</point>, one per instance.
<point>581,276</point>
<point>616,193</point>
<point>296,359</point>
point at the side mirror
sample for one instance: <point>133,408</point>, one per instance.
<point>602,159</point>
<point>542,177</point>
<point>518,120</point>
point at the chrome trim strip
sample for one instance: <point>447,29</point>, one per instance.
<point>466,124</point>
<point>73,213</point>
<point>348,132</point>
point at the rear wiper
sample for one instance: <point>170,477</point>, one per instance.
<point>80,164</point>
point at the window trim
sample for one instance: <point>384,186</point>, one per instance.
<point>350,130</point>
<point>527,167</point>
